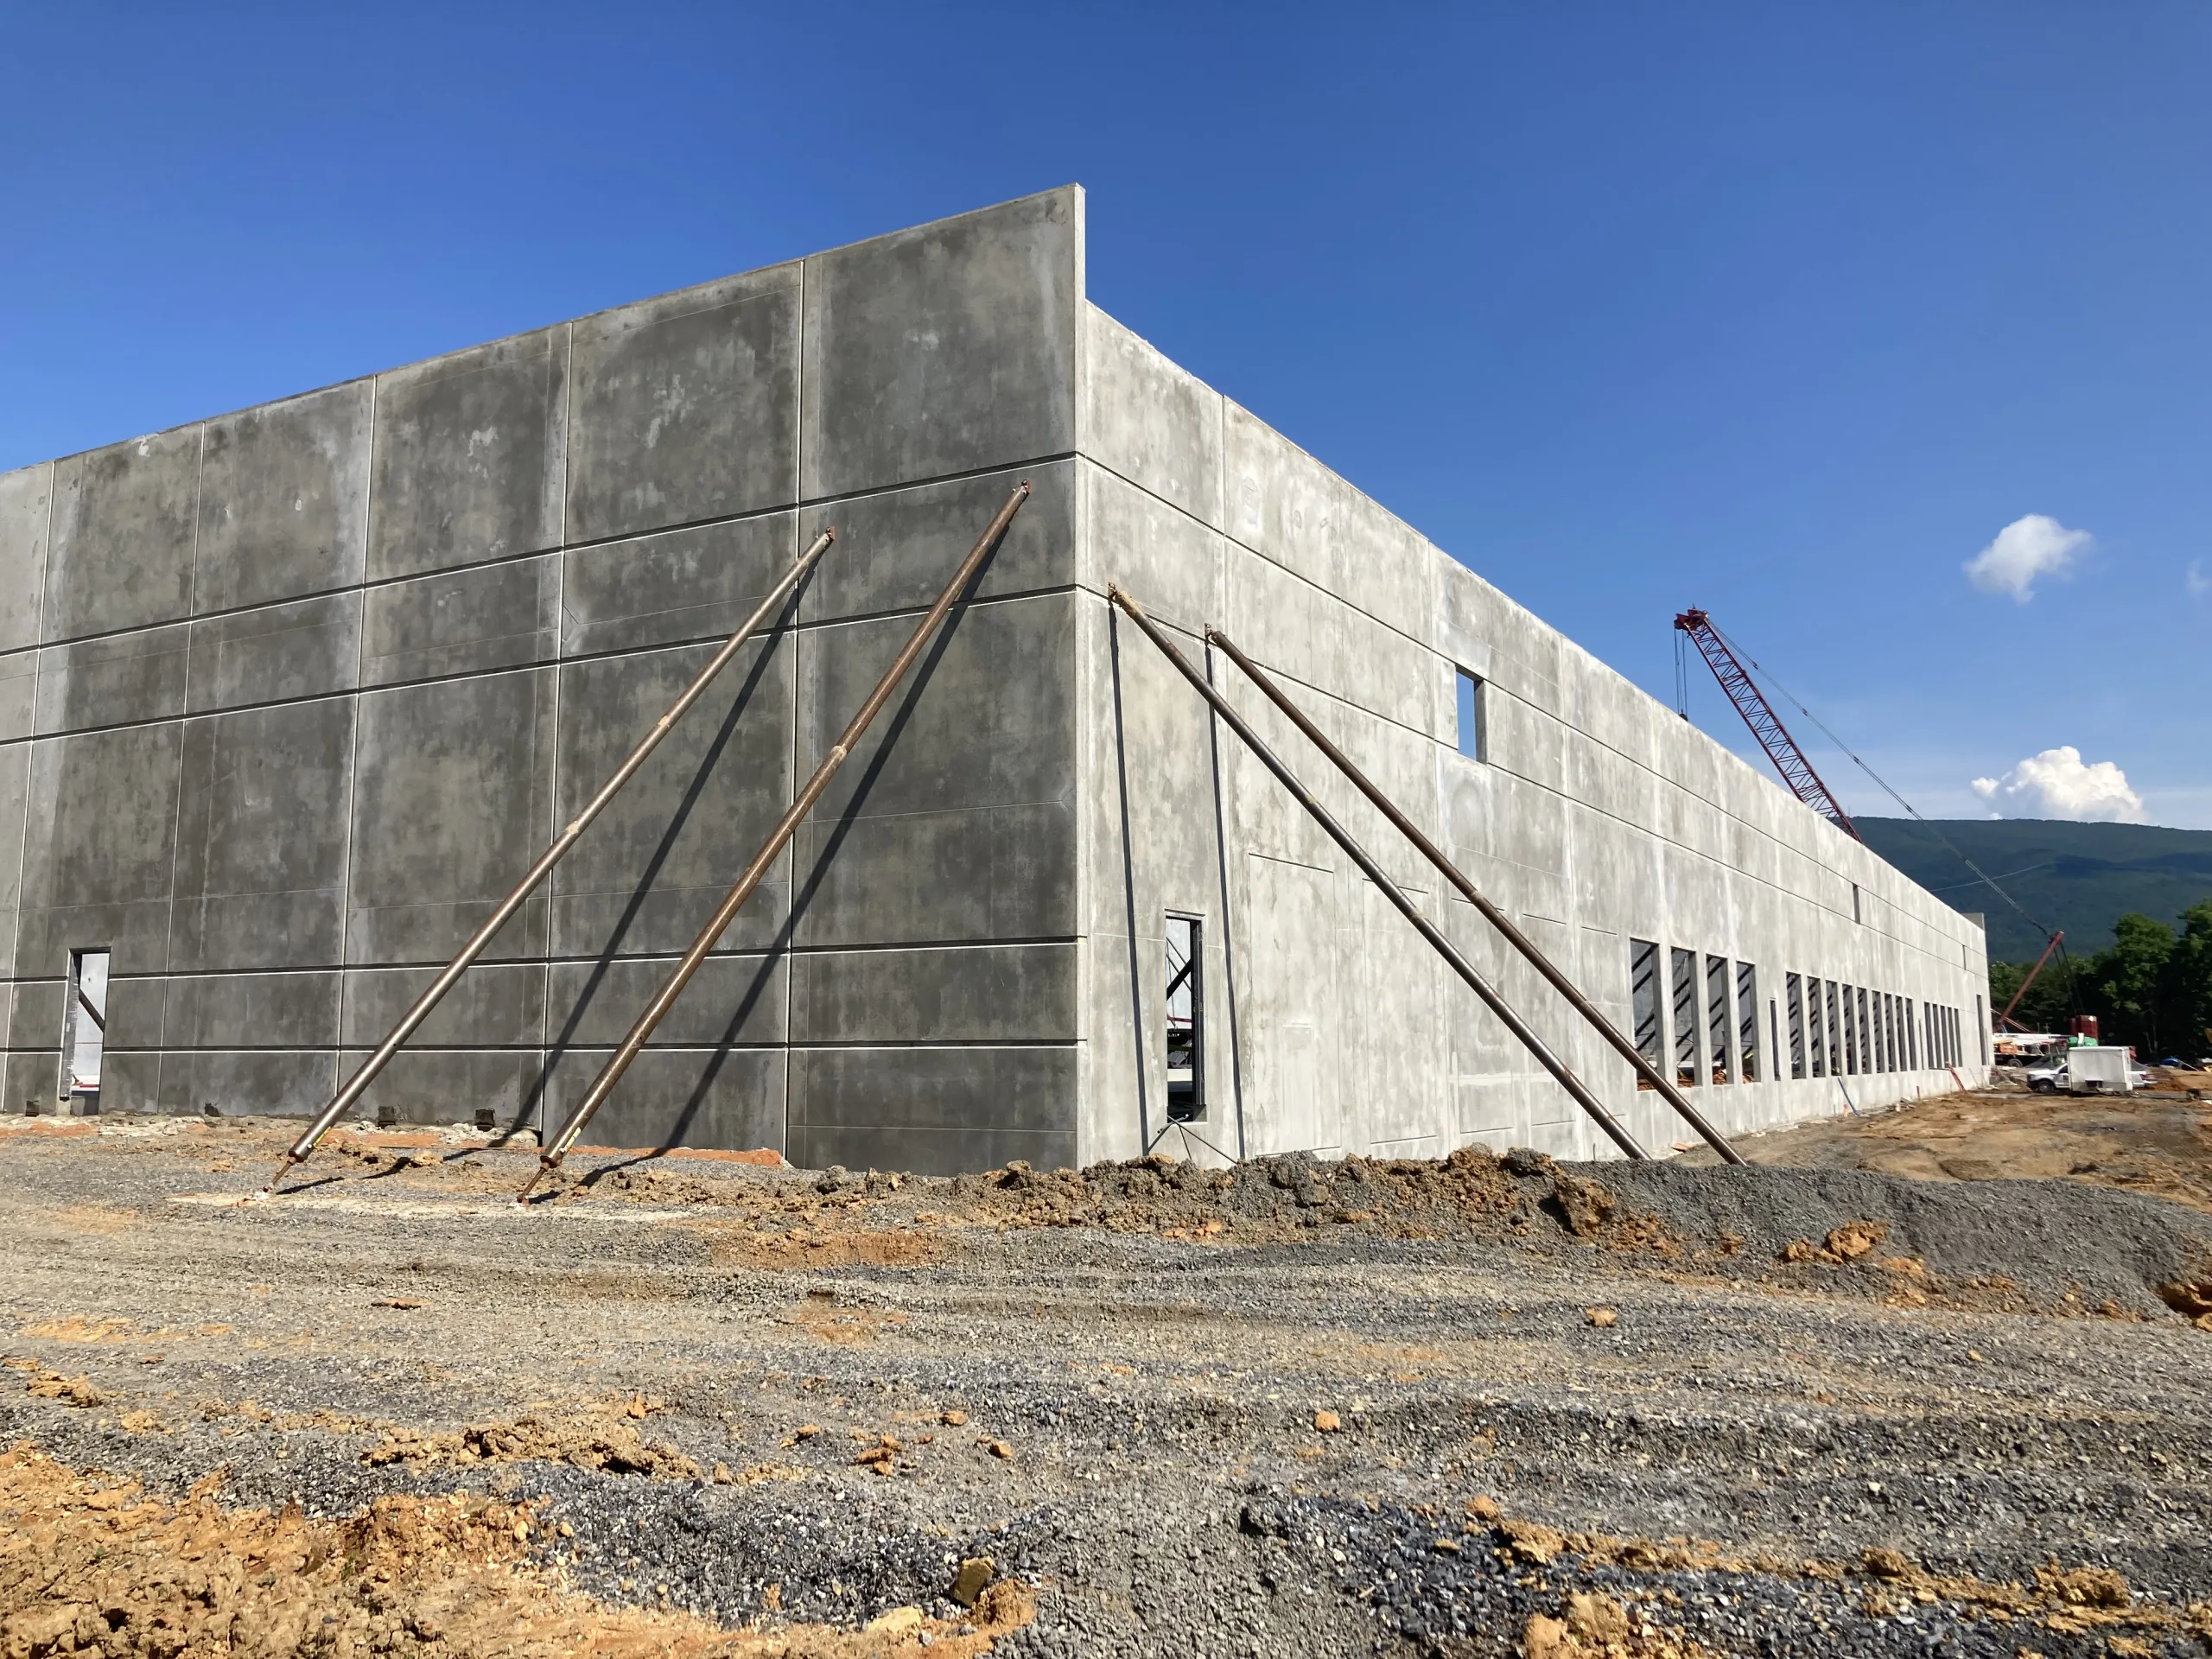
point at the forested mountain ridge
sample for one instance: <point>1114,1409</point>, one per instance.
<point>2079,877</point>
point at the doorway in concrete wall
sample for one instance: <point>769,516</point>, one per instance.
<point>1186,1022</point>
<point>84,1031</point>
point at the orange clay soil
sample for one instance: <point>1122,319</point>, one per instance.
<point>89,1565</point>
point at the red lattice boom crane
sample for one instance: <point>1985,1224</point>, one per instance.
<point>1774,737</point>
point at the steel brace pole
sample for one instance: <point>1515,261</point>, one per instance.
<point>1496,918</point>
<point>657,1010</point>
<point>779,596</point>
<point>1457,963</point>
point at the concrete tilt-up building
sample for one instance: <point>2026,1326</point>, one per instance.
<point>288,699</point>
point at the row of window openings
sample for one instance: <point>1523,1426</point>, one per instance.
<point>1844,1030</point>
<point>1835,1030</point>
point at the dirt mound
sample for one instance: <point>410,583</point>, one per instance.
<point>1472,1193</point>
<point>598,1444</point>
<point>87,1565</point>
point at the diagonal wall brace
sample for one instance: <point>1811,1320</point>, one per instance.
<point>1458,964</point>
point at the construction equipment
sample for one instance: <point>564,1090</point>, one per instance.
<point>1458,964</point>
<point>2005,1018</point>
<point>1496,918</point>
<point>1766,726</point>
<point>778,597</point>
<point>549,1158</point>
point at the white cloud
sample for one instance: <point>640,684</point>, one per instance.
<point>2025,551</point>
<point>2197,582</point>
<point>2056,785</point>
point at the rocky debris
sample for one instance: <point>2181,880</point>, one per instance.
<point>42,1385</point>
<point>89,1566</point>
<point>1159,1380</point>
<point>609,1447</point>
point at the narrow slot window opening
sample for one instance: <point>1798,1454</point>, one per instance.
<point>1644,1003</point>
<point>1793,987</point>
<point>1716,1017</point>
<point>1686,1062</point>
<point>1185,1020</point>
<point>1474,737</point>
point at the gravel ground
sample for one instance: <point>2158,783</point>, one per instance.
<point>1305,1407</point>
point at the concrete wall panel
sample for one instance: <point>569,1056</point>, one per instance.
<point>974,874</point>
<point>967,994</point>
<point>685,407</point>
<point>32,1076</point>
<point>113,680</point>
<point>1154,423</point>
<point>124,528</point>
<point>1294,629</point>
<point>14,802</point>
<point>954,819</point>
<point>283,499</point>
<point>453,801</point>
<point>943,349</point>
<point>731,1000</point>
<point>282,1010</point>
<point>100,848</point>
<point>307,648</point>
<point>896,549</point>
<point>18,693</point>
<point>496,1005</point>
<point>677,1098</point>
<point>26,517</point>
<point>263,1082</point>
<point>34,1010</point>
<point>935,1111</point>
<point>985,717</point>
<point>261,837</point>
<point>1167,560</point>
<point>464,621</point>
<point>471,453</point>
<point>447,1085</point>
<point>674,588</point>
<point>652,870</point>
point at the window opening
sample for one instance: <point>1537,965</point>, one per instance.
<point>1747,1023</point>
<point>1866,1037</point>
<point>1857,913</point>
<point>1890,1030</point>
<point>1717,1021</point>
<point>1981,1029</point>
<point>1836,1033</point>
<point>1911,1039</point>
<point>1851,1066</point>
<point>1816,1028</point>
<point>1643,1002</point>
<point>1686,1039</point>
<point>1792,988</point>
<point>1187,1092</point>
<point>85,1027</point>
<point>1474,738</point>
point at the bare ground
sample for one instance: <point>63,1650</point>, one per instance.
<point>1482,1407</point>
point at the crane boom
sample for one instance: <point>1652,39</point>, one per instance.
<point>1774,737</point>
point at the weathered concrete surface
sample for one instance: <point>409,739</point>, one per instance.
<point>289,697</point>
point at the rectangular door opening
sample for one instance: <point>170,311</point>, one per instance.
<point>1186,1012</point>
<point>84,1029</point>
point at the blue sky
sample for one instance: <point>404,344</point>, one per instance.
<point>1783,311</point>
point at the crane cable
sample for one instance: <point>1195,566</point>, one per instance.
<point>1986,879</point>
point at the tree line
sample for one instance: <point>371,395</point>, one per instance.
<point>2150,988</point>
